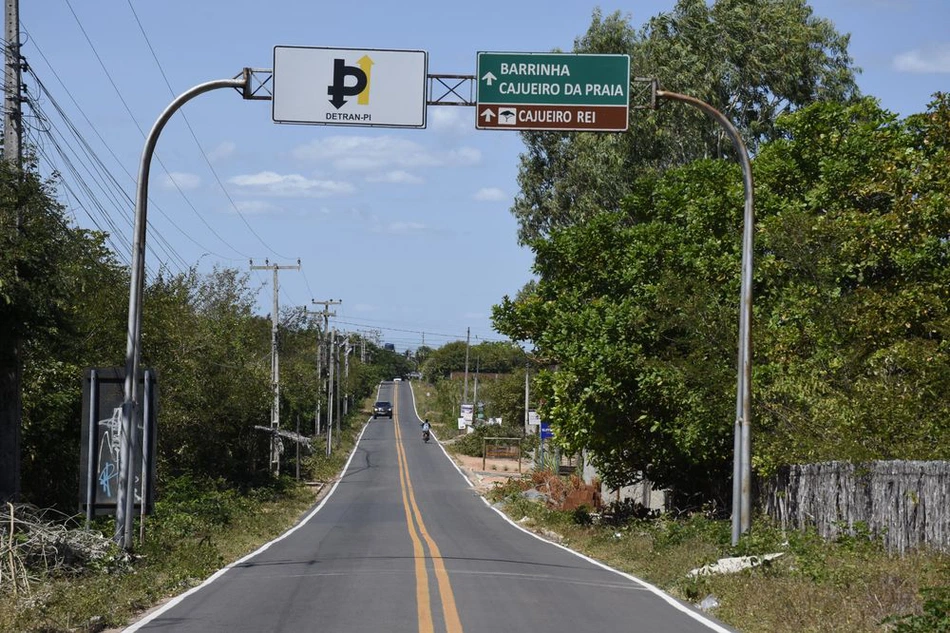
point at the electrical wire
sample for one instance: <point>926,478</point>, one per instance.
<point>424,332</point>
<point>198,143</point>
<point>131,178</point>
<point>98,171</point>
<point>142,132</point>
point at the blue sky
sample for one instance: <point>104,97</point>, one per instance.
<point>410,228</point>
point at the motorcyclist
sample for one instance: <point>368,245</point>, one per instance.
<point>425,429</point>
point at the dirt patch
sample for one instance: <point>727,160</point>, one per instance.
<point>494,470</point>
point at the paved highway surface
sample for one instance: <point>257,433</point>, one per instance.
<point>402,543</point>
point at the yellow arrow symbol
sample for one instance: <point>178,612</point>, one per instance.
<point>366,65</point>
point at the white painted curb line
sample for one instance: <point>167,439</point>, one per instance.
<point>177,599</point>
<point>652,589</point>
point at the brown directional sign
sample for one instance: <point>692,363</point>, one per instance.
<point>552,117</point>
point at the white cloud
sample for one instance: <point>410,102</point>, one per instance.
<point>256,207</point>
<point>222,151</point>
<point>490,194</point>
<point>365,307</point>
<point>466,156</point>
<point>396,177</point>
<point>405,228</point>
<point>381,152</point>
<point>930,59</point>
<point>180,180</point>
<point>453,120</point>
<point>291,185</point>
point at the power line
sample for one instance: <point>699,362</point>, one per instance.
<point>106,182</point>
<point>195,137</point>
<point>425,332</point>
<point>121,165</point>
<point>142,132</point>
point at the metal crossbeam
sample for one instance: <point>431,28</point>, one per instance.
<point>453,90</point>
<point>444,90</point>
<point>259,84</point>
<point>643,93</point>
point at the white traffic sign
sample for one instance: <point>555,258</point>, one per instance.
<point>349,86</point>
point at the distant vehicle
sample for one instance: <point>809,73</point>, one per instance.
<point>397,379</point>
<point>383,409</point>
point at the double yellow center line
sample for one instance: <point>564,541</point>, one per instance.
<point>417,529</point>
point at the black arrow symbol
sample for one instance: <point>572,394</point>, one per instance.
<point>338,90</point>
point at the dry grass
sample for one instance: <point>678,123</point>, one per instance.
<point>848,586</point>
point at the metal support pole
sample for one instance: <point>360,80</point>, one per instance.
<point>91,445</point>
<point>742,466</point>
<point>123,515</point>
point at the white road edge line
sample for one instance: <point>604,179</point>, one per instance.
<point>451,461</point>
<point>651,588</point>
<point>177,599</point>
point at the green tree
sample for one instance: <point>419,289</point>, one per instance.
<point>212,355</point>
<point>504,398</point>
<point>48,271</point>
<point>444,360</point>
<point>638,309</point>
<point>750,59</point>
<point>854,316</point>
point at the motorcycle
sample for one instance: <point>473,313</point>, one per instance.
<point>425,436</point>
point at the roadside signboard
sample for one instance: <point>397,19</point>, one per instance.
<point>546,431</point>
<point>552,91</point>
<point>102,398</point>
<point>468,412</point>
<point>349,86</point>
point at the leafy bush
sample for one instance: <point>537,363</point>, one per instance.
<point>623,511</point>
<point>934,619</point>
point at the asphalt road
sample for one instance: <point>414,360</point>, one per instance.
<point>403,544</point>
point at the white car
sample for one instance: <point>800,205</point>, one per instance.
<point>397,379</point>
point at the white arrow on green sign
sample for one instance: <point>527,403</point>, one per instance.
<point>552,91</point>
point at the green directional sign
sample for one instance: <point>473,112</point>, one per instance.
<point>551,91</point>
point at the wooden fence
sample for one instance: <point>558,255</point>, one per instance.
<point>906,503</point>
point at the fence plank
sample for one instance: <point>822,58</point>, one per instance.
<point>906,503</point>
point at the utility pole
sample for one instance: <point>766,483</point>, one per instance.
<point>478,364</point>
<point>11,369</point>
<point>346,376</point>
<point>526,395</point>
<point>335,370</point>
<point>331,335</point>
<point>323,351</point>
<point>468,336</point>
<point>316,414</point>
<point>275,364</point>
